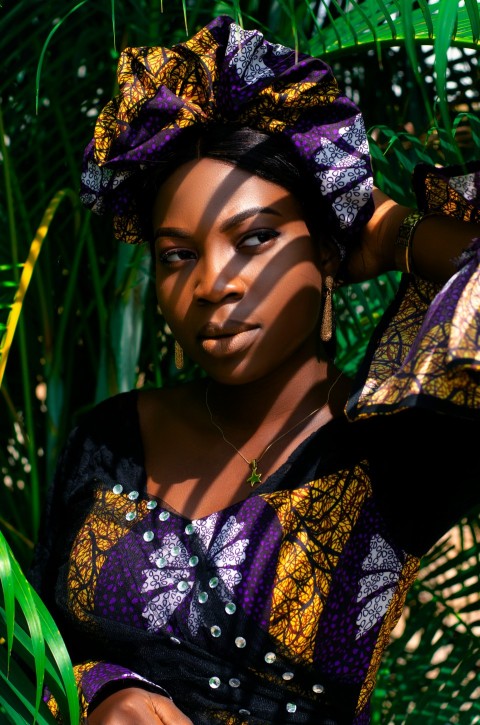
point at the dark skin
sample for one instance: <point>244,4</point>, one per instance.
<point>239,282</point>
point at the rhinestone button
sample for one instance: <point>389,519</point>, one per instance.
<point>164,515</point>
<point>213,582</point>
<point>202,597</point>
<point>291,707</point>
<point>230,608</point>
<point>287,676</point>
<point>270,657</point>
<point>133,495</point>
<point>240,642</point>
<point>131,515</point>
<point>148,535</point>
<point>118,488</point>
<point>152,505</point>
<point>234,682</point>
<point>318,689</point>
<point>182,586</point>
<point>189,529</point>
<point>161,562</point>
<point>175,640</point>
<point>175,550</point>
<point>216,631</point>
<point>214,682</point>
<point>193,561</point>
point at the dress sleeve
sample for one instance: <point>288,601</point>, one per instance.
<point>96,681</point>
<point>418,388</point>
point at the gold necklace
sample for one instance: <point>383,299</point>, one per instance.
<point>255,476</point>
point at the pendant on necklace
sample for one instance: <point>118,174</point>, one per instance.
<point>254,477</point>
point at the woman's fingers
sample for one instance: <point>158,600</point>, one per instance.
<point>168,712</point>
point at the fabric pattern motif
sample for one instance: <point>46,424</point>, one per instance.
<point>90,552</point>
<point>308,561</point>
<point>382,570</point>
<point>175,571</point>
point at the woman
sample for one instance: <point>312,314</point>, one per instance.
<point>238,549</point>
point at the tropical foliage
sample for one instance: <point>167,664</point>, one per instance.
<point>78,320</point>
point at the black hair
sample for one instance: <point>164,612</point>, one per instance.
<point>270,156</point>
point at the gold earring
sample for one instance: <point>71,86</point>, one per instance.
<point>326,327</point>
<point>178,356</point>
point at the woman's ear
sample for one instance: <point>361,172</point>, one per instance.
<point>329,259</point>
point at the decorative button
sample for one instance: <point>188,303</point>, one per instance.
<point>244,712</point>
<point>152,505</point>
<point>161,562</point>
<point>133,495</point>
<point>131,515</point>
<point>118,488</point>
<point>202,597</point>
<point>189,529</point>
<point>183,586</point>
<point>148,535</point>
<point>175,640</point>
<point>213,582</point>
<point>270,657</point>
<point>230,608</point>
<point>291,707</point>
<point>318,689</point>
<point>193,561</point>
<point>214,682</point>
<point>240,642</point>
<point>175,550</point>
<point>233,682</point>
<point>216,631</point>
<point>287,676</point>
<point>164,515</point>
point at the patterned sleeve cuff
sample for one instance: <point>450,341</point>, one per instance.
<point>97,680</point>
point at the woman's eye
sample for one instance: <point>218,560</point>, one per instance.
<point>170,256</point>
<point>255,239</point>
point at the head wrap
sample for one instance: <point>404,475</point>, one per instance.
<point>226,74</point>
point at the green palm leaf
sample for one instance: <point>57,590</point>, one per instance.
<point>25,621</point>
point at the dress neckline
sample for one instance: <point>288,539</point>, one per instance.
<point>269,485</point>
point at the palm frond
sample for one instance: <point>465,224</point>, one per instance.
<point>26,276</point>
<point>39,649</point>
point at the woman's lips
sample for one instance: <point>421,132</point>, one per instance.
<point>228,339</point>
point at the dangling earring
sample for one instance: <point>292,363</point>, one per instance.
<point>326,327</point>
<point>178,356</point>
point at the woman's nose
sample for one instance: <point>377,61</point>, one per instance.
<point>217,278</point>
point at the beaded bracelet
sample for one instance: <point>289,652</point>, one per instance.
<point>403,242</point>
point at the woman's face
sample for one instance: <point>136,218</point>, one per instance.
<point>238,277</point>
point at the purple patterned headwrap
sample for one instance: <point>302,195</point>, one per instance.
<point>225,74</point>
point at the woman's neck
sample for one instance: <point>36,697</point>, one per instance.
<point>291,391</point>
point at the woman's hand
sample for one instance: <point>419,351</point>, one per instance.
<point>134,706</point>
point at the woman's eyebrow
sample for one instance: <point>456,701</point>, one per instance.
<point>227,224</point>
<point>246,214</point>
<point>171,232</point>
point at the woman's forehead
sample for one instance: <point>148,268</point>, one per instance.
<point>213,189</point>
